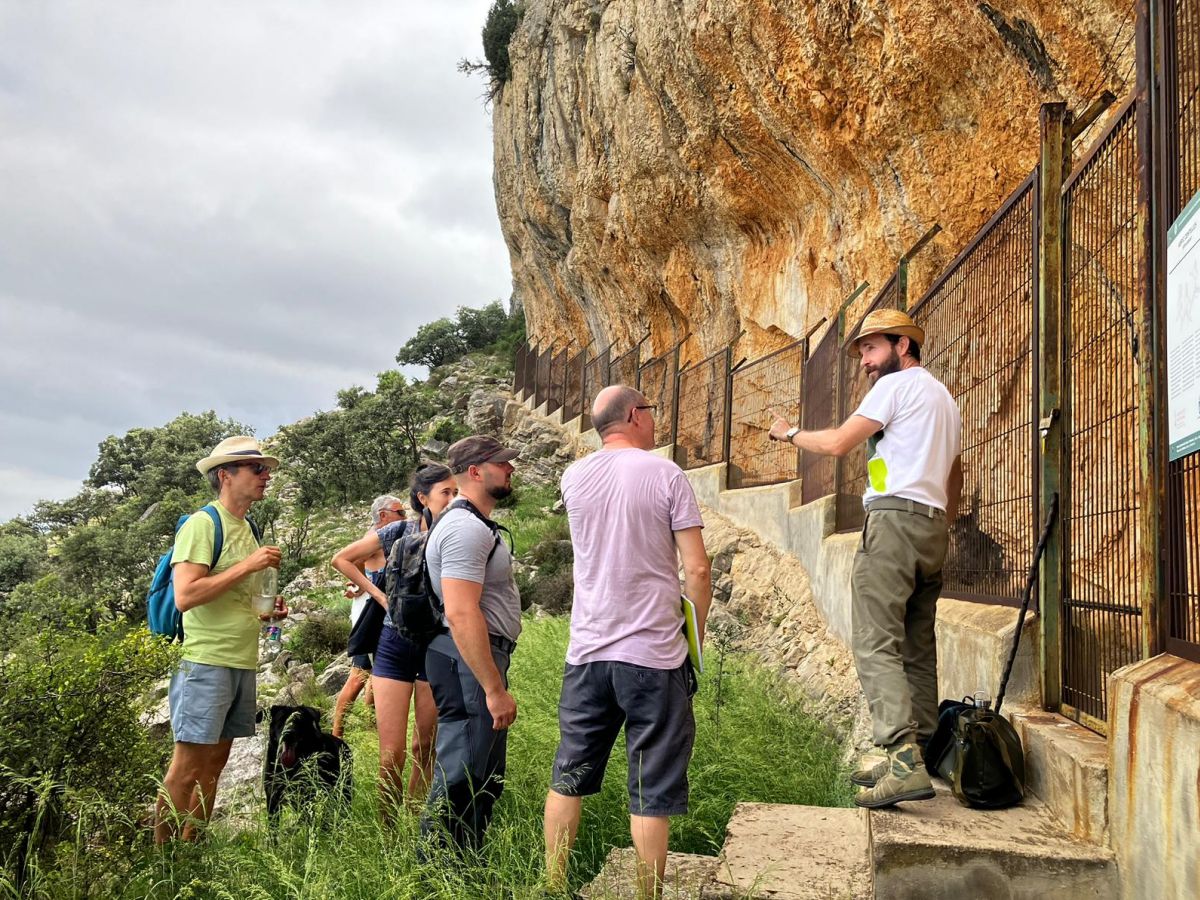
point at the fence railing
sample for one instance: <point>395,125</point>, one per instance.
<point>980,320</point>
<point>775,382</point>
<point>701,413</point>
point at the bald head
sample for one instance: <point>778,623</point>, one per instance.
<point>612,406</point>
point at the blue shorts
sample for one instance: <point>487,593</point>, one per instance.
<point>211,703</point>
<point>398,658</point>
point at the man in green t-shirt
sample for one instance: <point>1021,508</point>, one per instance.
<point>212,694</point>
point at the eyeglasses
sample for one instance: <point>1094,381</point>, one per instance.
<point>398,513</point>
<point>650,406</point>
<point>256,468</point>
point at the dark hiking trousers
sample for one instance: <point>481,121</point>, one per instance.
<point>469,773</point>
<point>896,581</point>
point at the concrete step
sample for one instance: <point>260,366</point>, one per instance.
<point>1066,766</point>
<point>941,849</point>
<point>793,853</point>
<point>687,876</point>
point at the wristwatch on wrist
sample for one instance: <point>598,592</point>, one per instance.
<point>791,433</point>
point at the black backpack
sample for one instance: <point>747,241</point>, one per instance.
<point>413,606</point>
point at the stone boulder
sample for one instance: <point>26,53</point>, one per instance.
<point>333,679</point>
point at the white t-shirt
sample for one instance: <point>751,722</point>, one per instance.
<point>922,429</point>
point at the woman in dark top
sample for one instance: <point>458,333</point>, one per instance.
<point>398,677</point>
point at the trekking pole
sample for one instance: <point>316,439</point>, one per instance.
<point>1029,583</point>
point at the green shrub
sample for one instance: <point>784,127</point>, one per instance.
<point>75,756</point>
<point>320,637</point>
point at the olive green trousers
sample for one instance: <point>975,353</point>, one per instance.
<point>895,585</point>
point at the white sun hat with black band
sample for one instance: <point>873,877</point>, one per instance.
<point>238,448</point>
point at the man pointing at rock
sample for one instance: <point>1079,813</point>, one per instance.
<point>914,478</point>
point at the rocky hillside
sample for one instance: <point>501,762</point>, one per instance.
<point>713,166</point>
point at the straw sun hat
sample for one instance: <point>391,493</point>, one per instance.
<point>887,321</point>
<point>238,448</point>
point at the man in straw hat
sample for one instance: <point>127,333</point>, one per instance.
<point>912,428</point>
<point>212,694</point>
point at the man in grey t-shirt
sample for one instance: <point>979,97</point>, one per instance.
<point>470,569</point>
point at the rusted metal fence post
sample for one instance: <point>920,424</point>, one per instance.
<point>1150,167</point>
<point>1054,166</point>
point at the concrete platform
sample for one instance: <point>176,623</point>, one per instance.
<point>687,877</point>
<point>941,849</point>
<point>1066,766</point>
<point>794,853</point>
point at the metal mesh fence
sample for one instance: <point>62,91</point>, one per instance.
<point>980,320</point>
<point>773,382</point>
<point>1181,80</point>
<point>541,392</point>
<point>573,388</point>
<point>658,385</point>
<point>818,472</point>
<point>595,379</point>
<point>700,428</point>
<point>851,388</point>
<point>558,382</point>
<point>1104,272</point>
<point>624,368</point>
<point>519,370</point>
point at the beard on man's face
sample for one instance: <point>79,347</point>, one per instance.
<point>887,367</point>
<point>499,491</point>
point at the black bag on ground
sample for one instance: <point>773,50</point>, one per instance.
<point>364,636</point>
<point>978,752</point>
<point>975,748</point>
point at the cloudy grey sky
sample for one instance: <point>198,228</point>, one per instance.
<point>227,205</point>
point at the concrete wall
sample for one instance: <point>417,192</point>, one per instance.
<point>1154,777</point>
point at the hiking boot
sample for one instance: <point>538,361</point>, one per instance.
<point>905,779</point>
<point>866,777</point>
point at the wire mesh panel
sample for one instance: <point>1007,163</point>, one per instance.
<point>595,379</point>
<point>624,369</point>
<point>1104,272</point>
<point>1181,80</point>
<point>573,387</point>
<point>530,380</point>
<point>541,392</point>
<point>980,318</point>
<point>774,382</point>
<point>658,386</point>
<point>700,429</point>
<point>558,381</point>
<point>519,370</point>
<point>818,472</point>
<point>852,387</point>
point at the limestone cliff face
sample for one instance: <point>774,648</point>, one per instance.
<point>708,166</point>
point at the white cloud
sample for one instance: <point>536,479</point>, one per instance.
<point>242,207</point>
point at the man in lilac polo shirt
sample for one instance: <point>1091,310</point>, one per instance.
<point>633,517</point>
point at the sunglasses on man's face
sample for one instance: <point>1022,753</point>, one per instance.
<point>398,513</point>
<point>256,468</point>
<point>644,406</point>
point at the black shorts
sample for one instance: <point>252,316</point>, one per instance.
<point>654,705</point>
<point>398,658</point>
<point>362,661</point>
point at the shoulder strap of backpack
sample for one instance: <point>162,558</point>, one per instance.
<point>494,527</point>
<point>255,530</point>
<point>218,536</point>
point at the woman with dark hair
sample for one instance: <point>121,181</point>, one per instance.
<point>398,678</point>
